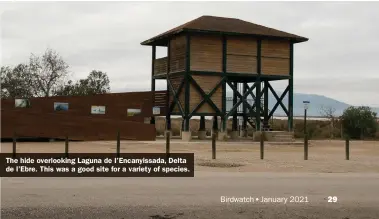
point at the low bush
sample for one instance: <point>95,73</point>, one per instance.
<point>317,129</point>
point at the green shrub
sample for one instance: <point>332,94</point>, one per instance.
<point>359,122</point>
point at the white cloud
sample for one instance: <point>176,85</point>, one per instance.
<point>339,60</point>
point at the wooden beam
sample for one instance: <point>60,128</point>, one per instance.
<point>242,99</point>
<point>279,100</point>
<point>176,99</point>
<point>204,95</point>
<point>207,97</point>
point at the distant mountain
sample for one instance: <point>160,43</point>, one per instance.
<point>316,103</point>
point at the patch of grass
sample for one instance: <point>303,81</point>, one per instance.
<point>218,164</point>
<point>232,150</point>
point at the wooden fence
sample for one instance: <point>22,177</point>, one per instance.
<point>95,117</point>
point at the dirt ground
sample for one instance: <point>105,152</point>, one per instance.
<point>243,156</point>
<point>238,171</point>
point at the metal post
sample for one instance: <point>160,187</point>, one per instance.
<point>66,146</point>
<point>305,136</point>
<point>213,145</point>
<point>306,147</point>
<point>118,143</point>
<point>14,149</point>
<point>262,145</point>
<point>347,148</point>
<point>305,122</point>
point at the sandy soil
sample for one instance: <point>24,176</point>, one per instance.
<point>283,173</point>
<point>198,197</point>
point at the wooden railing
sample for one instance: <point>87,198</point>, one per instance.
<point>160,66</point>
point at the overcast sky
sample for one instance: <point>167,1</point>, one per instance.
<point>341,59</point>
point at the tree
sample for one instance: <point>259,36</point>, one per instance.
<point>48,73</point>
<point>68,89</point>
<point>97,82</point>
<point>329,113</point>
<point>359,122</point>
<point>16,82</point>
<point>4,71</point>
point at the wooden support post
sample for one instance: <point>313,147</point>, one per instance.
<point>347,148</point>
<point>258,106</point>
<point>202,123</point>
<point>235,122</point>
<point>262,145</point>
<point>214,145</point>
<point>187,84</point>
<point>265,106</point>
<point>168,113</point>
<point>152,120</point>
<point>118,143</point>
<point>244,107</point>
<point>290,93</point>
<point>168,137</point>
<point>14,148</point>
<point>168,122</point>
<point>66,146</point>
<point>215,124</point>
<point>224,120</point>
<point>258,87</point>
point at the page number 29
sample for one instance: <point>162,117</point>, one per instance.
<point>332,199</point>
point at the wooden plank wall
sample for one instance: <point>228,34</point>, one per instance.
<point>51,125</point>
<point>206,53</point>
<point>178,54</point>
<point>207,83</point>
<point>41,119</point>
<point>241,55</point>
<point>160,66</point>
<point>275,57</point>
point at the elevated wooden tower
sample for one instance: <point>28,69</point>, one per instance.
<point>207,54</point>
